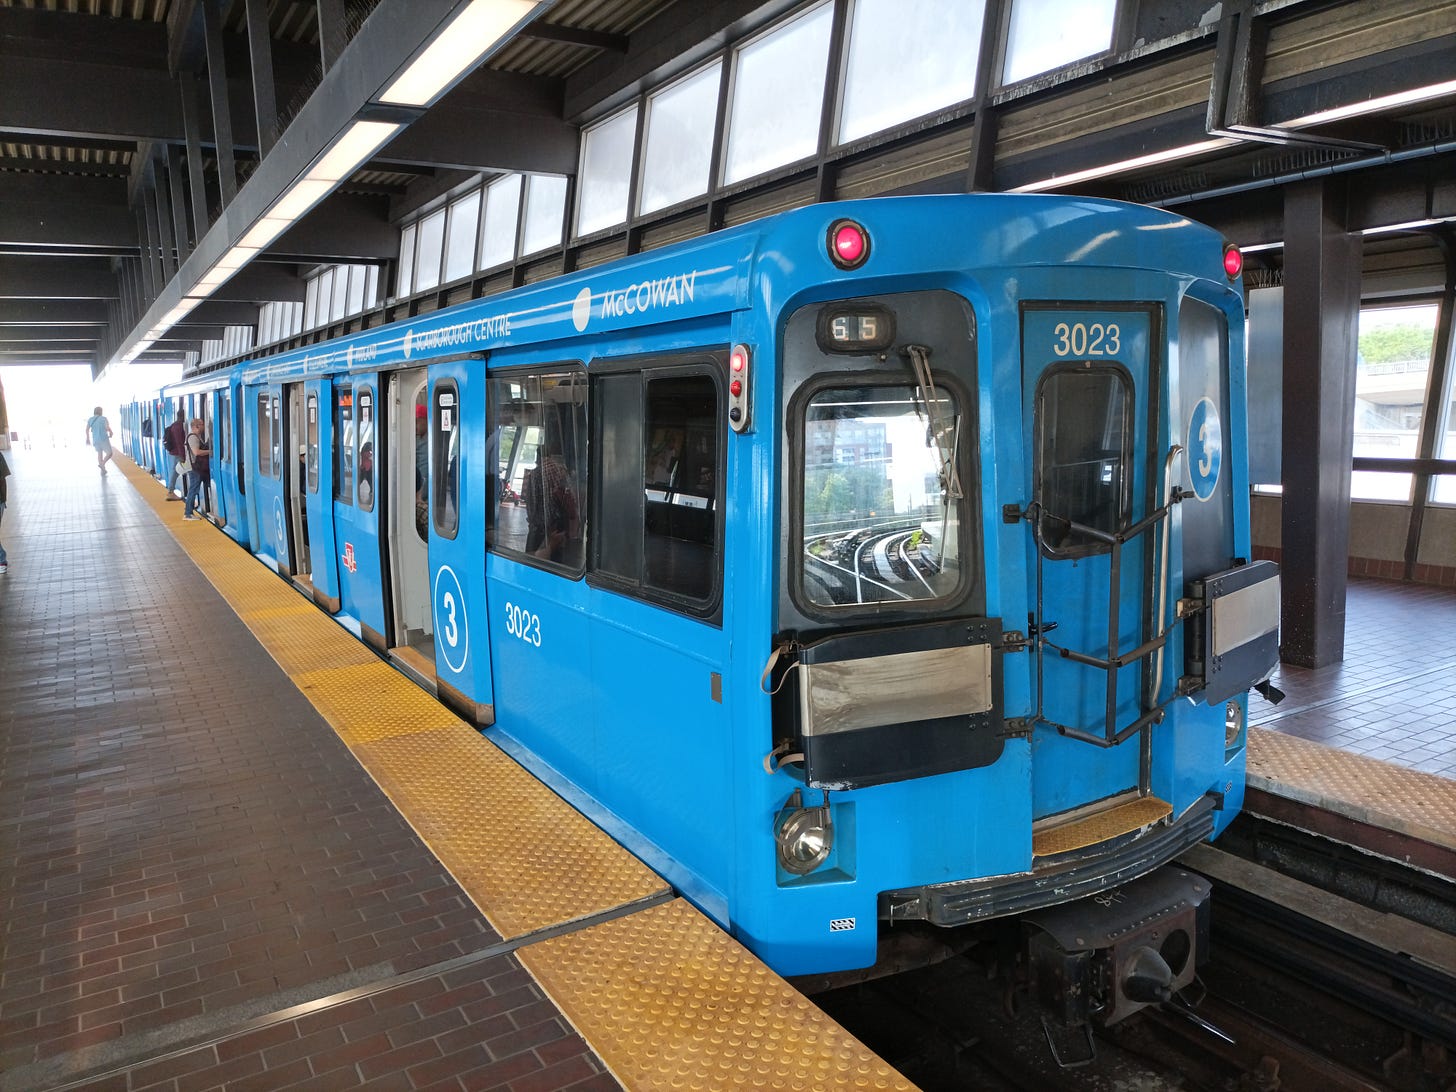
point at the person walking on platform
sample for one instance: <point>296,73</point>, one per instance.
<point>199,467</point>
<point>98,435</point>
<point>174,442</point>
<point>4,473</point>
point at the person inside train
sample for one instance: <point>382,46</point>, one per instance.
<point>551,507</point>
<point>422,468</point>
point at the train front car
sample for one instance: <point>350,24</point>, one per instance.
<point>1016,618</point>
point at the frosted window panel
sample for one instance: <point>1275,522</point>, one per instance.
<point>679,140</point>
<point>432,243</point>
<point>942,36</point>
<point>325,296</point>
<point>310,303</point>
<point>405,282</point>
<point>357,277</point>
<point>606,173</point>
<point>460,237</point>
<point>1046,34</point>
<point>778,95</point>
<point>502,207</point>
<point>371,286</point>
<point>545,207</point>
<point>341,292</point>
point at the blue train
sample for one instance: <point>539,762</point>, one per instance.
<point>876,563</point>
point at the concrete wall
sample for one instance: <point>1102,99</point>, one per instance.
<point>1377,539</point>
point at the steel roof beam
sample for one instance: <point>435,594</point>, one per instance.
<point>57,278</point>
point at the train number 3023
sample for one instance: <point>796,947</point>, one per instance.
<point>523,624</point>
<point>1081,339</point>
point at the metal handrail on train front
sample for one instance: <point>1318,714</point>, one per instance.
<point>1114,661</point>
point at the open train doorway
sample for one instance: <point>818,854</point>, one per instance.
<point>412,634</point>
<point>295,447</point>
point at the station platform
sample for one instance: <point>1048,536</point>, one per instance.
<point>238,850</point>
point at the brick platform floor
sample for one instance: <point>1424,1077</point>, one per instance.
<point>188,853</point>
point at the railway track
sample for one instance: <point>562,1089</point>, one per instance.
<point>1313,991</point>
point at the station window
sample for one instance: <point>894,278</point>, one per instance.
<point>537,446</point>
<point>658,475</point>
<point>944,38</point>
<point>778,96</point>
<point>464,218</point>
<point>678,141</point>
<point>365,461</point>
<point>1047,34</point>
<point>431,246</point>
<point>344,444</point>
<point>880,519</point>
<point>311,460</point>
<point>1083,455</point>
<point>502,213</point>
<point>1392,372</point>
<point>265,435</point>
<point>545,212</point>
<point>606,172</point>
<point>445,451</point>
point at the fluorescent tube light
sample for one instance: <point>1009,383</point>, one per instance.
<point>1370,106</point>
<point>361,140</point>
<point>1167,155</point>
<point>302,196</point>
<point>263,232</point>
<point>456,49</point>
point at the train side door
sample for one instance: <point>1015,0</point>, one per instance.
<point>294,467</point>
<point>1088,375</point>
<point>318,495</point>
<point>411,635</point>
<point>456,495</point>
<point>271,542</point>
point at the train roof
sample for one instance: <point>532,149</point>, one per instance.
<point>775,257</point>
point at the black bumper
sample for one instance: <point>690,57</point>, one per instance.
<point>1053,880</point>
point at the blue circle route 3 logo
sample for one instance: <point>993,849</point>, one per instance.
<point>1205,448</point>
<point>452,628</point>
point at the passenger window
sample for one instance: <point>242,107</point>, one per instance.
<point>365,460</point>
<point>881,504</point>
<point>537,448</point>
<point>344,444</point>
<point>658,474</point>
<point>1083,439</point>
<point>277,427</point>
<point>311,464</point>
<point>445,446</point>
<point>265,436</point>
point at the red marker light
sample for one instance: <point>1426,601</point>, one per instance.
<point>849,244</point>
<point>735,388</point>
<point>737,361</point>
<point>1233,261</point>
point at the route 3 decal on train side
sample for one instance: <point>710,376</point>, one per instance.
<point>1205,448</point>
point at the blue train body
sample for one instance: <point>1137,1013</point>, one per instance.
<point>953,619</point>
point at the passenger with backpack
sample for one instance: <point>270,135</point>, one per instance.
<point>174,442</point>
<point>199,467</point>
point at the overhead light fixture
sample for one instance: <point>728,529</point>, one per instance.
<point>1409,225</point>
<point>360,140</point>
<point>301,196</point>
<point>1371,106</point>
<point>1152,159</point>
<point>456,49</point>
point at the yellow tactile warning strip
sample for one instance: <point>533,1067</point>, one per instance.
<point>663,996</point>
<point>1092,829</point>
<point>1364,789</point>
<point>675,1003</point>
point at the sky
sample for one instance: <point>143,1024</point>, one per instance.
<point>50,404</point>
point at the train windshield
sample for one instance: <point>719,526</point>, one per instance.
<point>881,499</point>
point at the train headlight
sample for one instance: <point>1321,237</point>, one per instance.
<point>805,836</point>
<point>1233,724</point>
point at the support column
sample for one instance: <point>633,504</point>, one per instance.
<point>260,52</point>
<point>222,118</point>
<point>1321,319</point>
<point>196,180</point>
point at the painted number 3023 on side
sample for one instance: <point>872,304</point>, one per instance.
<point>1086,339</point>
<point>523,624</point>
